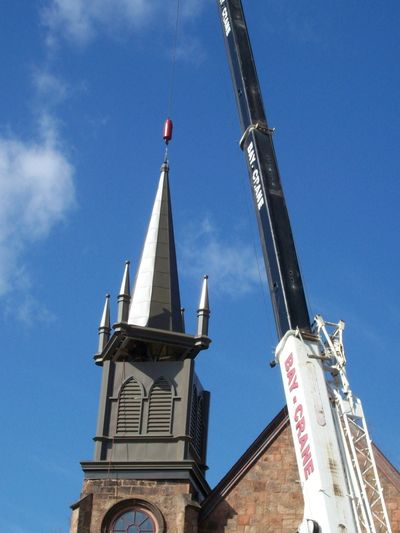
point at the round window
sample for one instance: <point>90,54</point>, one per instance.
<point>134,521</point>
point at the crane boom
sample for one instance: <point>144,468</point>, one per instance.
<point>338,474</point>
<point>285,283</point>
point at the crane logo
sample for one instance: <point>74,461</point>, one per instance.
<point>256,180</point>
<point>225,18</point>
<point>298,416</point>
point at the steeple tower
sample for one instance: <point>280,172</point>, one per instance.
<point>153,410</point>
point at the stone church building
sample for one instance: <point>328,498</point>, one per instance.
<point>148,470</point>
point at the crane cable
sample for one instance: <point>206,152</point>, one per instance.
<point>171,90</point>
<point>173,60</point>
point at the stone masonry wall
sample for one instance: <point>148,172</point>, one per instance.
<point>392,498</point>
<point>268,498</point>
<point>172,498</point>
<point>390,481</point>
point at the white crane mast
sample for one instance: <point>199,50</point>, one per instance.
<point>338,474</point>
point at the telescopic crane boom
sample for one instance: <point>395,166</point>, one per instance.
<point>338,475</point>
<point>285,283</point>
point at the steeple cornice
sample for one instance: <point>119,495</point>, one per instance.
<point>140,343</point>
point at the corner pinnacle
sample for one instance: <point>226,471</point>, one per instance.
<point>203,312</point>
<point>124,296</point>
<point>104,326</point>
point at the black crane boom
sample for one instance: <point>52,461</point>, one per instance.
<point>284,278</point>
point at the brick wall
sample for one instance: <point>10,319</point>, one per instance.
<point>172,498</point>
<point>390,481</point>
<point>267,497</point>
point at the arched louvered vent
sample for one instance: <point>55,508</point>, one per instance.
<point>160,407</point>
<point>199,435</point>
<point>129,407</point>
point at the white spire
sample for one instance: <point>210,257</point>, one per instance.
<point>155,298</point>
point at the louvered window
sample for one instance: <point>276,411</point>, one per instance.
<point>160,407</point>
<point>199,435</point>
<point>197,422</point>
<point>129,407</point>
<point>193,414</point>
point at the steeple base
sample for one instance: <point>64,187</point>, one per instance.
<point>159,471</point>
<point>171,503</point>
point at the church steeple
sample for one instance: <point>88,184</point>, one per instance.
<point>153,410</point>
<point>155,297</point>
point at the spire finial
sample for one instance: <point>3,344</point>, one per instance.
<point>203,312</point>
<point>124,296</point>
<point>104,326</point>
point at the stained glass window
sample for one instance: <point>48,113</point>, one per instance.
<point>134,521</point>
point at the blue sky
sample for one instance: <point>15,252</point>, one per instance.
<point>84,93</point>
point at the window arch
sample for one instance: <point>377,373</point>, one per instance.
<point>135,520</point>
<point>130,407</point>
<point>160,407</point>
<point>133,516</point>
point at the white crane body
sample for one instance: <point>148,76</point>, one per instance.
<point>321,470</point>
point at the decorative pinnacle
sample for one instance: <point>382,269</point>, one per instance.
<point>125,285</point>
<point>104,326</point>
<point>105,318</point>
<point>183,318</point>
<point>204,303</point>
<point>203,312</point>
<point>124,296</point>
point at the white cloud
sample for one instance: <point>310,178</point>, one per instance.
<point>49,87</point>
<point>191,50</point>
<point>192,8</point>
<point>294,21</point>
<point>80,20</point>
<point>28,310</point>
<point>36,191</point>
<point>232,266</point>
